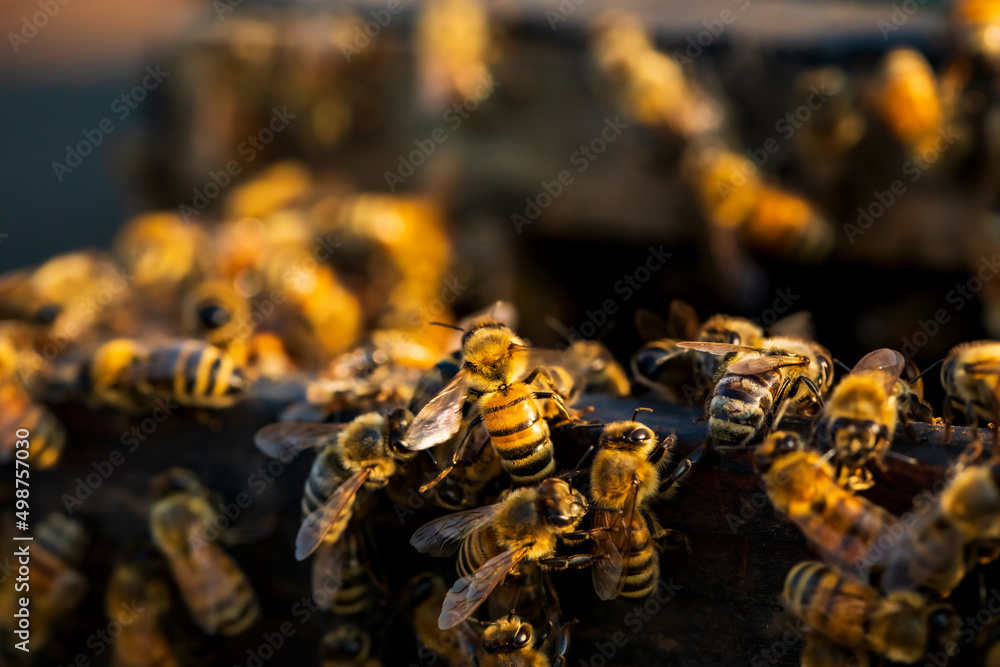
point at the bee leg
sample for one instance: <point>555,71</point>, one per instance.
<point>577,535</point>
<point>681,471</point>
<point>946,414</point>
<point>562,644</point>
<point>574,562</point>
<point>456,458</point>
<point>560,404</point>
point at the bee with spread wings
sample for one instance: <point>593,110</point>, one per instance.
<point>757,385</point>
<point>501,375</point>
<point>363,454</point>
<point>521,530</point>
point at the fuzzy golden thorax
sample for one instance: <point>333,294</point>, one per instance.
<point>362,445</point>
<point>488,358</point>
<point>533,517</point>
<point>972,501</point>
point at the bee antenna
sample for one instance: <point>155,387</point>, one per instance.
<point>924,372</point>
<point>582,459</point>
<point>447,326</point>
<point>842,365</point>
<point>826,457</point>
<point>595,425</point>
<point>638,410</point>
<point>431,455</point>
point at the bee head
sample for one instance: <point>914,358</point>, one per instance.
<point>561,505</point>
<point>347,641</point>
<point>774,447</point>
<point>421,587</point>
<point>507,635</point>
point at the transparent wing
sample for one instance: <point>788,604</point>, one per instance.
<point>293,437</point>
<point>442,537</point>
<point>651,326</point>
<point>328,568</point>
<point>884,363</point>
<point>796,325</point>
<point>714,348</point>
<point>336,510</point>
<point>764,364</point>
<point>608,571</point>
<point>440,419</point>
<point>469,592</point>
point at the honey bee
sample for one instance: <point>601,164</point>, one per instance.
<point>56,586</point>
<point>510,537</point>
<point>18,410</point>
<point>734,199</point>
<point>71,295</point>
<point>363,454</point>
<point>970,376</point>
<point>497,375</point>
<point>902,626</point>
<point>824,143</point>
<point>216,592</point>
<point>454,49</point>
<point>650,86</point>
<point>843,527</point>
<point>909,100</point>
<point>127,373</point>
<point>756,386</point>
<point>976,22</point>
<point>347,646</point>
<point>661,352</point>
<point>162,252</point>
<point>425,595</point>
<point>512,642</point>
<point>939,548</point>
<point>215,310</point>
<point>140,580</point>
<point>860,418</point>
<point>624,477</point>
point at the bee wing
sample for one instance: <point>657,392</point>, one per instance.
<point>440,419</point>
<point>652,327</point>
<point>331,558</point>
<point>441,537</point>
<point>208,577</point>
<point>764,364</point>
<point>713,348</point>
<point>535,357</point>
<point>609,572</point>
<point>796,325</point>
<point>469,592</point>
<point>276,439</point>
<point>884,360</point>
<point>315,526</point>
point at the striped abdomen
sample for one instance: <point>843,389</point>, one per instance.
<point>836,607</point>
<point>192,372</point>
<point>741,405</point>
<point>324,478</point>
<point>217,590</point>
<point>642,572</point>
<point>478,547</point>
<point>519,434</point>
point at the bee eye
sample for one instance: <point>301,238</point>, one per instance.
<point>522,637</point>
<point>787,444</point>
<point>213,316</point>
<point>639,435</point>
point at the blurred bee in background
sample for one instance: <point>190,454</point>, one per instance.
<point>347,646</point>
<point>497,376</point>
<point>216,592</point>
<point>912,103</point>
<point>139,581</point>
<point>650,86</point>
<point>509,537</point>
<point>949,533</point>
<point>736,200</point>
<point>363,454</point>
<point>758,385</point>
<point>970,376</point>
<point>976,22</point>
<point>69,297</point>
<point>512,641</point>
<point>859,420</point>
<point>278,187</point>
<point>624,477</point>
<point>903,627</point>
<point>454,49</point>
<point>56,585</point>
<point>164,255</point>
<point>843,527</point>
<point>834,128</point>
<point>214,310</point>
<point>423,599</point>
<point>19,364</point>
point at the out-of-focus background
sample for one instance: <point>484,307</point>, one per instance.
<point>753,157</point>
